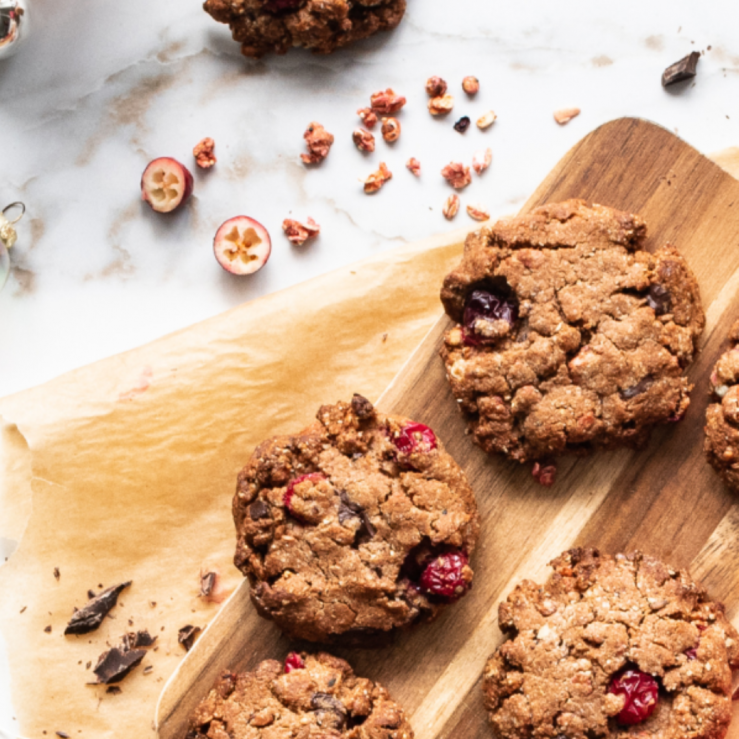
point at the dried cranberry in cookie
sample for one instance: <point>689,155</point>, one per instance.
<point>611,648</point>
<point>569,336</point>
<point>293,661</point>
<point>358,525</point>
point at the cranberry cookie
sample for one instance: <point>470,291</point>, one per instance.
<point>611,647</point>
<point>263,26</point>
<point>359,524</point>
<point>722,417</point>
<point>569,336</point>
<point>311,697</point>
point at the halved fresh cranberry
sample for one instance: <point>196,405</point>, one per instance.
<point>444,576</point>
<point>312,476</point>
<point>641,692</point>
<point>293,661</point>
<point>489,306</point>
<point>415,437</point>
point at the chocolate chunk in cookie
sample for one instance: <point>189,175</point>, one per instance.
<point>722,415</point>
<point>356,526</point>
<point>611,647</point>
<point>264,26</point>
<point>569,336</point>
<point>311,696</point>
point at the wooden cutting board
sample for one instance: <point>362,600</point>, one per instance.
<point>664,500</point>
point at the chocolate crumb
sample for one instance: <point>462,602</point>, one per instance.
<point>384,338</point>
<point>56,575</point>
<point>48,629</point>
<point>135,640</point>
<point>62,734</point>
<point>208,580</point>
<point>187,635</point>
<point>148,669</point>
<point>91,615</point>
<point>113,689</point>
<point>115,664</point>
<point>23,609</point>
<point>684,69</point>
<point>88,665</point>
<point>153,603</point>
<point>90,595</point>
<point>130,622</point>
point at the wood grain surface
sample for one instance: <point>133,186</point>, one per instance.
<point>664,500</point>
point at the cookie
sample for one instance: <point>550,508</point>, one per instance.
<point>722,416</point>
<point>310,697</point>
<point>356,526</point>
<point>569,337</point>
<point>263,26</point>
<point>611,647</point>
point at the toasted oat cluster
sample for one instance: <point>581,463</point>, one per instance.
<point>356,526</point>
<point>264,26</point>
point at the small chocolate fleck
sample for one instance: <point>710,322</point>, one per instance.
<point>153,603</point>
<point>347,508</point>
<point>332,711</point>
<point>148,669</point>
<point>48,629</point>
<point>640,387</point>
<point>187,635</point>
<point>684,69</point>
<point>23,609</point>
<point>57,575</point>
<point>113,690</point>
<point>207,583</point>
<point>62,734</point>
<point>258,509</point>
<point>362,408</point>
<point>462,124</point>
<point>115,664</point>
<point>90,595</point>
<point>92,614</point>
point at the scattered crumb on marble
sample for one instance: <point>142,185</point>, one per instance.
<point>602,61</point>
<point>38,228</point>
<point>26,280</point>
<point>655,43</point>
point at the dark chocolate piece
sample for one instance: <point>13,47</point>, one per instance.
<point>187,635</point>
<point>640,387</point>
<point>207,583</point>
<point>659,300</point>
<point>361,406</point>
<point>685,69</point>
<point>137,639</point>
<point>462,124</point>
<point>91,616</point>
<point>258,509</point>
<point>47,629</point>
<point>333,712</point>
<point>116,663</point>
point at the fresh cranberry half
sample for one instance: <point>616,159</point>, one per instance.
<point>488,305</point>
<point>415,437</point>
<point>443,576</point>
<point>293,661</point>
<point>313,477</point>
<point>641,692</point>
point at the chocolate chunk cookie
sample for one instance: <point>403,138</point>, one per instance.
<point>359,524</point>
<point>722,416</point>
<point>609,643</point>
<point>263,26</point>
<point>569,336</point>
<point>311,697</point>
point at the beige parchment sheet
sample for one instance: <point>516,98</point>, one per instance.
<point>124,470</point>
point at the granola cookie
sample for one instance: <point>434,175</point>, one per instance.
<point>611,647</point>
<point>311,697</point>
<point>358,525</point>
<point>263,26</point>
<point>722,416</point>
<point>569,336</point>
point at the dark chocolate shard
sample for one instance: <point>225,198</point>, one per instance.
<point>207,583</point>
<point>330,711</point>
<point>659,299</point>
<point>362,408</point>
<point>91,616</point>
<point>187,635</point>
<point>641,387</point>
<point>349,509</point>
<point>258,509</point>
<point>137,639</point>
<point>115,664</point>
<point>685,69</point>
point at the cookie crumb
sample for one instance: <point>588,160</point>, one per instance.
<point>565,115</point>
<point>203,153</point>
<point>363,140</point>
<point>299,232</point>
<point>368,116</point>
<point>386,102</point>
<point>377,179</point>
<point>414,166</point>
<point>457,175</point>
<point>319,141</point>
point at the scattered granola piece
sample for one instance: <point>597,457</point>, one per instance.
<point>684,69</point>
<point>318,141</point>
<point>92,614</point>
<point>386,102</point>
<point>363,140</point>
<point>298,233</point>
<point>207,583</point>
<point>482,160</point>
<point>457,175</point>
<point>116,663</point>
<point>414,166</point>
<point>368,116</point>
<point>203,153</point>
<point>56,573</point>
<point>462,124</point>
<point>565,115</point>
<point>451,206</point>
<point>377,179</point>
<point>187,635</point>
<point>441,105</point>
<point>435,87</point>
<point>471,85</point>
<point>390,129</point>
<point>478,212</point>
<point>486,120</point>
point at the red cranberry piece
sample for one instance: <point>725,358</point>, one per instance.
<point>313,477</point>
<point>485,304</point>
<point>641,692</point>
<point>415,437</point>
<point>691,653</point>
<point>444,576</point>
<point>293,661</point>
<point>544,473</point>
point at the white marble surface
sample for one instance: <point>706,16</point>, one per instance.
<point>101,88</point>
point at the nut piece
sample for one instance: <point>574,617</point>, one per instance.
<point>377,179</point>
<point>368,117</point>
<point>203,153</point>
<point>363,140</point>
<point>386,102</point>
<point>318,140</point>
<point>435,87</point>
<point>390,129</point>
<point>565,115</point>
<point>441,105</point>
<point>486,120</point>
<point>482,160</point>
<point>471,85</point>
<point>478,212</point>
<point>414,166</point>
<point>298,233</point>
<point>451,206</point>
<point>457,175</point>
